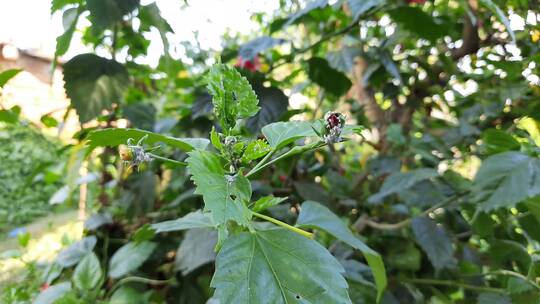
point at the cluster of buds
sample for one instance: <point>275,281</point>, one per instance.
<point>333,123</point>
<point>134,154</point>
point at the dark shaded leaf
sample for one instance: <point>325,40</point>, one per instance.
<point>333,81</point>
<point>417,21</point>
<point>273,103</point>
<point>105,13</point>
<point>401,181</point>
<point>359,7</point>
<point>195,219</point>
<point>497,141</point>
<point>343,60</point>
<point>493,298</point>
<point>93,84</point>
<point>141,115</point>
<point>196,250</point>
<point>435,242</point>
<point>76,252</point>
<point>129,257</point>
<point>311,5</point>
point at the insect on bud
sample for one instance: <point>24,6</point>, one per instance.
<point>334,123</point>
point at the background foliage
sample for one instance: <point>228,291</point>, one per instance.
<point>442,181</point>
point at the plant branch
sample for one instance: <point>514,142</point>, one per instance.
<point>139,280</point>
<point>454,284</point>
<point>309,235</point>
<point>362,221</point>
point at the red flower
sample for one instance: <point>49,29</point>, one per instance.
<point>252,65</point>
<point>282,178</point>
<point>44,287</point>
<point>416,1</point>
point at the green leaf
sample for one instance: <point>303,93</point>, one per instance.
<point>105,13</point>
<point>141,115</point>
<point>6,75</point>
<point>255,150</point>
<point>390,65</point>
<point>128,295</point>
<point>533,205</point>
<point>310,6</point>
<point>114,136</point>
<point>277,266</point>
<point>343,60</point>
<point>498,141</point>
<point>502,17</point>
<point>315,215</point>
<point>417,21</point>
<point>9,116</point>
<point>506,179</point>
<point>76,252</point>
<point>150,15</point>
<point>93,84</point>
<point>250,49</point>
<point>70,18</point>
<point>196,219</point>
<point>196,250</point>
<point>144,233</point>
<point>233,97</point>
<point>97,220</point>
<point>49,121</point>
<point>129,257</point>
<point>360,7</point>
<point>518,285</point>
<point>53,293</point>
<point>57,5</point>
<point>280,134</point>
<point>333,81</point>
<point>493,298</point>
<point>224,196</point>
<point>88,273</point>
<point>401,181</point>
<point>266,202</point>
<point>273,103</point>
<point>435,242</point>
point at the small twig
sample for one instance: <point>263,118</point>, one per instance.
<point>394,226</point>
<point>454,284</point>
<point>139,280</point>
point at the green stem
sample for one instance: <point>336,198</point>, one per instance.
<point>454,284</point>
<point>168,160</point>
<point>138,280</point>
<point>285,225</point>
<point>262,162</point>
<point>291,152</point>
